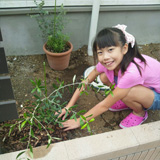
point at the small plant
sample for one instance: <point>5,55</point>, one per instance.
<point>42,112</point>
<point>52,26</point>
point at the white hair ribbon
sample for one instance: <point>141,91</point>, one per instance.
<point>129,38</point>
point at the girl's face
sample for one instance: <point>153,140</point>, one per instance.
<point>111,57</point>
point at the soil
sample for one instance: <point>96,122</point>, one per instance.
<point>24,68</point>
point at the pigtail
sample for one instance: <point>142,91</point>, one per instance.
<point>129,57</point>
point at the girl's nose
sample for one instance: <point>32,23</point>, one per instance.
<point>106,55</point>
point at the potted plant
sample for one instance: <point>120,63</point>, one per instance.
<point>57,46</point>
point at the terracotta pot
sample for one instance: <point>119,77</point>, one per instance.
<point>58,61</point>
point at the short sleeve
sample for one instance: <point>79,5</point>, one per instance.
<point>131,77</point>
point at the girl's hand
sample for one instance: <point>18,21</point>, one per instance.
<point>62,113</point>
<point>71,124</point>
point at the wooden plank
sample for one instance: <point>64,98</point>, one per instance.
<point>1,35</point>
<point>143,155</point>
<point>155,153</point>
<point>123,158</point>
<point>8,110</point>
<point>6,92</point>
<point>158,156</point>
<point>149,154</point>
<point>115,159</point>
<point>130,157</point>
<point>3,62</point>
<point>136,156</point>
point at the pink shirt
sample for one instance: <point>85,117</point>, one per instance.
<point>150,74</point>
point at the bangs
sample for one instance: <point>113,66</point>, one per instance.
<point>106,38</point>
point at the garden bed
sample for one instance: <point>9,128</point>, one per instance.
<point>24,68</point>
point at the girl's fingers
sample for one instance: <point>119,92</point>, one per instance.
<point>67,129</point>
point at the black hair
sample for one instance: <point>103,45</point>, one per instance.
<point>115,37</point>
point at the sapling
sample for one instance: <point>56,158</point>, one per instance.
<point>42,112</point>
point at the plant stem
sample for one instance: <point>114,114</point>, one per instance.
<point>45,80</point>
<point>63,87</point>
<point>55,19</point>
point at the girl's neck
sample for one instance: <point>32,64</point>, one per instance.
<point>116,71</point>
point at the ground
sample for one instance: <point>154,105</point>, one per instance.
<point>24,68</point>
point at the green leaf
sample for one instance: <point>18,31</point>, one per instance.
<point>19,127</point>
<point>88,128</point>
<point>33,82</point>
<point>70,90</point>
<point>38,90</point>
<point>59,94</point>
<point>89,116</point>
<point>74,78</point>
<point>23,124</point>
<point>24,138</point>
<point>80,85</point>
<point>72,107</point>
<point>81,121</point>
<point>81,93</point>
<point>107,92</point>
<point>100,86</point>
<point>66,114</point>
<point>33,90</point>
<point>20,154</point>
<point>82,111</point>
<point>11,129</point>
<point>29,122</point>
<point>39,82</point>
<point>72,117</point>
<point>39,126</point>
<point>37,97</point>
<point>88,88</point>
<point>30,151</point>
<point>58,80</point>
<point>51,129</point>
<point>49,140</point>
<point>7,125</point>
<point>55,86</point>
<point>111,94</point>
<point>91,120</point>
<point>84,126</point>
<point>75,118</point>
<point>112,87</point>
<point>32,133</point>
<point>25,115</point>
<point>57,138</point>
<point>83,117</point>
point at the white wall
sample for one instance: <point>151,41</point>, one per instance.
<point>29,3</point>
<point>21,34</point>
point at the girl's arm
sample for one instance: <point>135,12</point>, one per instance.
<point>110,100</point>
<point>92,76</point>
<point>100,108</point>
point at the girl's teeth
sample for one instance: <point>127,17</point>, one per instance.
<point>108,63</point>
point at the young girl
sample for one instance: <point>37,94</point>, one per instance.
<point>137,78</point>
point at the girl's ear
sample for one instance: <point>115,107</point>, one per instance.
<point>125,49</point>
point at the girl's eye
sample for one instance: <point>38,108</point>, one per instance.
<point>99,52</point>
<point>110,50</point>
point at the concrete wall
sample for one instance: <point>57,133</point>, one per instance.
<point>21,35</point>
<point>135,143</point>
